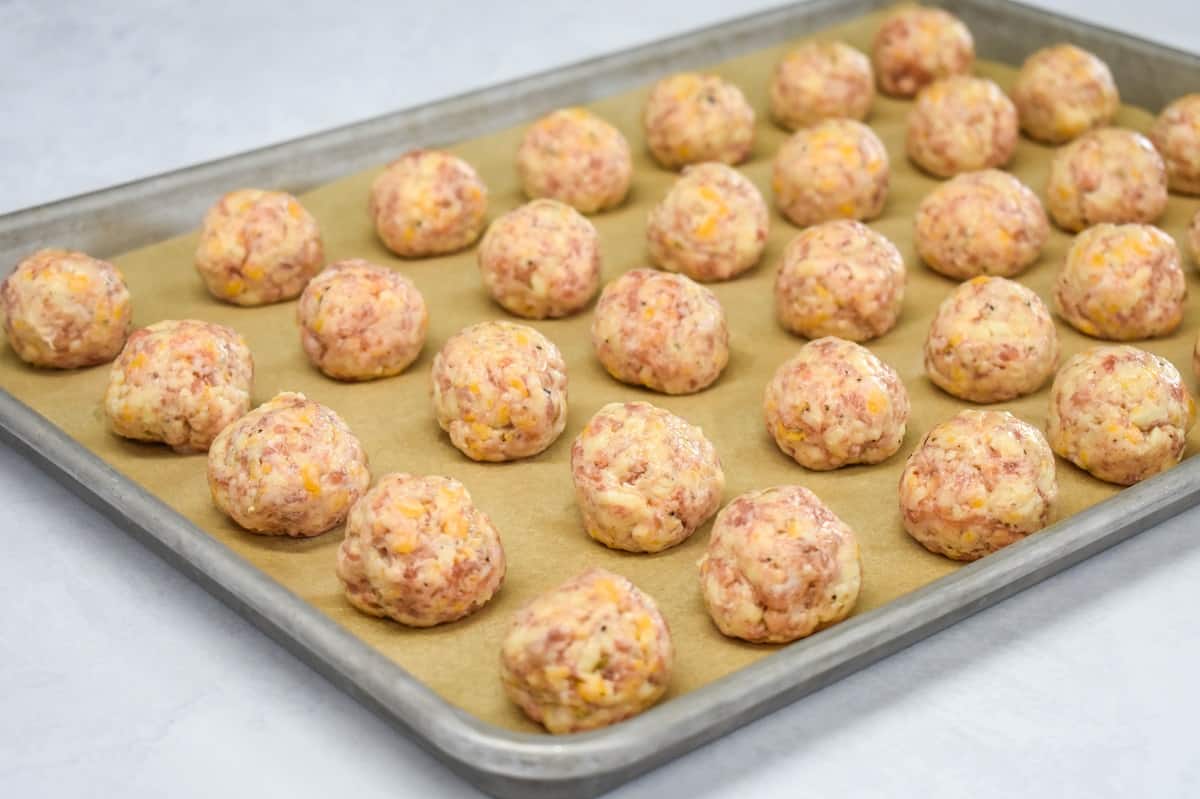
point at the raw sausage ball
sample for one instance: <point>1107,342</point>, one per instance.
<point>64,309</point>
<point>836,169</point>
<point>991,340</point>
<point>589,653</point>
<point>289,467</point>
<point>360,321</point>
<point>916,46</point>
<point>961,124</point>
<point>840,279</point>
<point>1063,92</point>
<point>1176,135</point>
<point>258,247</point>
<point>1108,175</point>
<point>419,551</point>
<point>541,260</point>
<point>981,223</point>
<point>821,80</point>
<point>179,382</point>
<point>661,331</point>
<point>500,391</point>
<point>690,118</point>
<point>780,566</point>
<point>1120,413</point>
<point>976,483</point>
<point>1122,282</point>
<point>428,202</point>
<point>834,404</point>
<point>712,225</point>
<point>577,158</point>
<point>645,479</point>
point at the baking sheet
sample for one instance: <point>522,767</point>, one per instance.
<point>531,501</point>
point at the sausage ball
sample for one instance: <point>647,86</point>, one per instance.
<point>976,483</point>
<point>821,80</point>
<point>577,158</point>
<point>661,331</point>
<point>428,202</point>
<point>1063,92</point>
<point>179,382</point>
<point>64,309</point>
<point>589,653</point>
<point>541,260</point>
<point>645,479</point>
<point>258,247</point>
<point>991,340</point>
<point>712,225</point>
<point>500,391</point>
<point>1121,282</point>
<point>780,566</point>
<point>916,46</point>
<point>1108,175</point>
<point>836,169</point>
<point>360,321</point>
<point>961,124</point>
<point>417,550</point>
<point>1176,136</point>
<point>840,279</point>
<point>1120,413</point>
<point>834,404</point>
<point>289,467</point>
<point>981,223</point>
<point>690,118</point>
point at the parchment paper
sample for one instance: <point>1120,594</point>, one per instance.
<point>531,501</point>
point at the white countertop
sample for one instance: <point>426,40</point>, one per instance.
<point>123,678</point>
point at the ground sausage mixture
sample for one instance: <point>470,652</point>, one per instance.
<point>1120,413</point>
<point>575,157</point>
<point>258,247</point>
<point>991,340</point>
<point>780,565</point>
<point>916,46</point>
<point>976,483</point>
<point>836,169</point>
<point>64,309</point>
<point>289,467</point>
<point>1176,136</point>
<point>419,551</point>
<point>662,331</point>
<point>645,479</point>
<point>712,225</point>
<point>1122,282</point>
<point>690,118</point>
<point>541,260</point>
<point>1063,92</point>
<point>821,80</point>
<point>360,321</point>
<point>834,404</point>
<point>500,391</point>
<point>428,202</point>
<point>981,223</point>
<point>179,382</point>
<point>961,124</point>
<point>840,279</point>
<point>589,653</point>
<point>1108,175</point>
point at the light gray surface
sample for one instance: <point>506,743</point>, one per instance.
<point>121,675</point>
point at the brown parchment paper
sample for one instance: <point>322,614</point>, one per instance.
<point>531,501</point>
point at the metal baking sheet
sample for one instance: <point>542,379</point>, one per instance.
<point>515,764</point>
